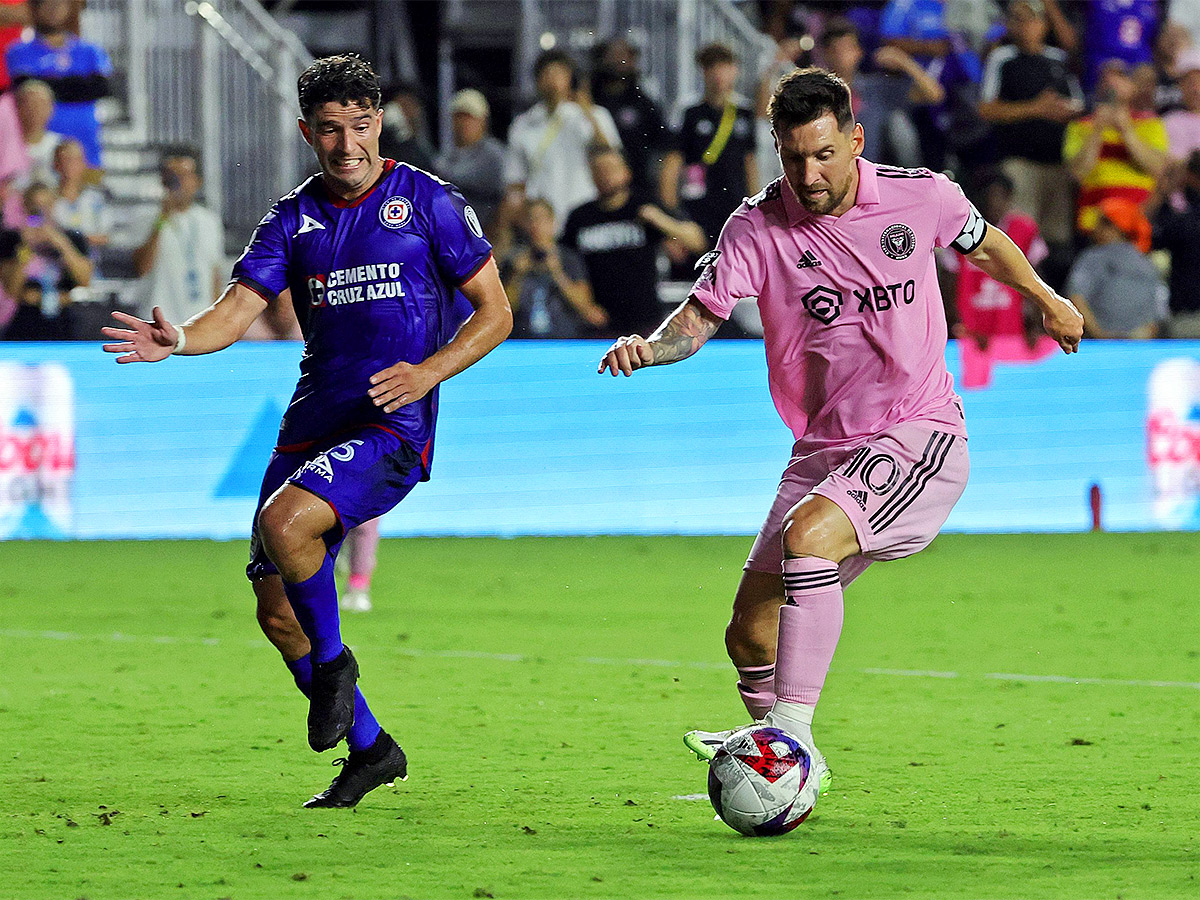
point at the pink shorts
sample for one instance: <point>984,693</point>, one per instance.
<point>897,490</point>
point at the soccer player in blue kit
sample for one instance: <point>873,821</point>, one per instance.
<point>371,252</point>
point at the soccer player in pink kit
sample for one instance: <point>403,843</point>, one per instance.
<point>839,255</point>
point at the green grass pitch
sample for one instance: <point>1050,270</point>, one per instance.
<point>1008,717</point>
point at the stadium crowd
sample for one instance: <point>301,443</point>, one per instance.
<point>1074,126</point>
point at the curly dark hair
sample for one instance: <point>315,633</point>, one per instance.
<point>804,95</point>
<point>347,79</point>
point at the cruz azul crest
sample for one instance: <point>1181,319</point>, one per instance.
<point>395,212</point>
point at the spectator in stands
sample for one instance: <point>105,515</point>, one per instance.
<point>712,166</point>
<point>1183,125</point>
<point>952,128</point>
<point>1030,95</point>
<point>79,206</point>
<point>918,27</point>
<point>181,262</point>
<point>880,97</point>
<point>77,72</point>
<point>1116,151</point>
<point>548,143</point>
<point>474,161</point>
<point>52,264</point>
<point>1177,230</point>
<point>618,235</point>
<point>1119,29</point>
<point>616,85</point>
<point>14,16</point>
<point>35,110</point>
<point>1114,285</point>
<point>995,323</point>
<point>547,284</point>
<point>405,133</point>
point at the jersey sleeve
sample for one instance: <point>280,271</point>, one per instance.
<point>262,267</point>
<point>456,235</point>
<point>960,224</point>
<point>733,271</point>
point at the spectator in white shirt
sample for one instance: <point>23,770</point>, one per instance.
<point>79,206</point>
<point>35,106</point>
<point>548,144</point>
<point>182,260</point>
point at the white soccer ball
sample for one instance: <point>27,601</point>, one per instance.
<point>761,782</point>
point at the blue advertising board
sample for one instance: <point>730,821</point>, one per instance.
<point>532,441</point>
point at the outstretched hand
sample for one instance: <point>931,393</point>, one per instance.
<point>1064,323</point>
<point>142,341</point>
<point>627,354</point>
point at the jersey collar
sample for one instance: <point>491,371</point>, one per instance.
<point>868,194</point>
<point>339,203</point>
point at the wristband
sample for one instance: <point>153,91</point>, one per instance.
<point>181,341</point>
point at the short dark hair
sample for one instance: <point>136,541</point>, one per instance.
<point>548,58</point>
<point>714,53</point>
<point>347,79</point>
<point>179,151</point>
<point>804,95</point>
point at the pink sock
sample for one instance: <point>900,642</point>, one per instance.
<point>810,624</point>
<point>364,542</point>
<point>756,684</point>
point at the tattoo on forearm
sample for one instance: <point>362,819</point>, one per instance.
<point>682,334</point>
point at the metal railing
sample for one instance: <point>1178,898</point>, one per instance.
<point>668,33</point>
<point>218,74</point>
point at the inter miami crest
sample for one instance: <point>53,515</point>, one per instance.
<point>898,241</point>
<point>823,303</point>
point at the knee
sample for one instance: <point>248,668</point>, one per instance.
<point>283,530</point>
<point>817,527</point>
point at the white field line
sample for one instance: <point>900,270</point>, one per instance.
<point>121,637</point>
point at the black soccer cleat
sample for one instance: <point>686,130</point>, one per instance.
<point>363,771</point>
<point>331,705</point>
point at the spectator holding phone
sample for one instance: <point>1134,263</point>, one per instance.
<point>182,260</point>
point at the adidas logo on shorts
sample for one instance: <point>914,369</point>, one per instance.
<point>859,497</point>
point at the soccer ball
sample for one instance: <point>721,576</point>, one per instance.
<point>761,782</point>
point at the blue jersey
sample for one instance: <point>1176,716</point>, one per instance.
<point>1121,29</point>
<point>373,283</point>
<point>66,69</point>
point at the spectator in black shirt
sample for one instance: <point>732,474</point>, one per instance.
<point>1029,96</point>
<point>616,85</point>
<point>712,167</point>
<point>618,235</point>
<point>1177,230</point>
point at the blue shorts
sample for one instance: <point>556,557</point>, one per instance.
<point>362,476</point>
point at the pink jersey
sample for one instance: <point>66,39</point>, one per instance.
<point>852,316</point>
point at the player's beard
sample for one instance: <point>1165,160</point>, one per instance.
<point>823,206</point>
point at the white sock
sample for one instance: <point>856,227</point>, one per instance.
<point>794,718</point>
